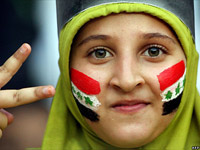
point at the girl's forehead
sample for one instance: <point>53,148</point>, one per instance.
<point>138,24</point>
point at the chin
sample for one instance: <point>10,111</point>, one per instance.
<point>134,143</point>
<point>129,139</point>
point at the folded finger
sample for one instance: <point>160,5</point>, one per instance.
<point>3,121</point>
<point>0,133</point>
<point>9,116</point>
<point>12,98</point>
<point>12,65</point>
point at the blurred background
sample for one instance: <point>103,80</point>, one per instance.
<point>197,35</point>
<point>34,22</point>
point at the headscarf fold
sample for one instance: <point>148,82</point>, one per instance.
<point>66,127</point>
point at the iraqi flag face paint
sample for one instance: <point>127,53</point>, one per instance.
<point>172,81</point>
<point>84,88</point>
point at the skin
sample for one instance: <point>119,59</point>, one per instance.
<point>13,98</point>
<point>127,72</point>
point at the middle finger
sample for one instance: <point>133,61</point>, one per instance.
<point>12,65</point>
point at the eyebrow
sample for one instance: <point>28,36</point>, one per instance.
<point>158,35</point>
<point>94,37</point>
<point>146,36</point>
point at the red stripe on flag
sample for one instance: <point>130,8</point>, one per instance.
<point>85,83</point>
<point>169,76</point>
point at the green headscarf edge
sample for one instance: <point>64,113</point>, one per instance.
<point>59,127</point>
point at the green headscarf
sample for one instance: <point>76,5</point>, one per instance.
<point>67,129</point>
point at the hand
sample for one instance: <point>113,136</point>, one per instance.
<point>13,98</point>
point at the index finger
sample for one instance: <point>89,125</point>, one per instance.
<point>13,98</point>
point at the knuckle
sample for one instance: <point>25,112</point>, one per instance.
<point>3,69</point>
<point>17,56</point>
<point>16,97</point>
<point>37,95</point>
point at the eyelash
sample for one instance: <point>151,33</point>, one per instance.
<point>162,50</point>
<point>158,47</point>
<point>92,52</point>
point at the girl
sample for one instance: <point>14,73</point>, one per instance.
<point>128,77</point>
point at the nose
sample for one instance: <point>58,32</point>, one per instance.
<point>127,75</point>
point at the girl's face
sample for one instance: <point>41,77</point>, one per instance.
<point>125,53</point>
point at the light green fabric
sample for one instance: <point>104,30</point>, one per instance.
<point>67,129</point>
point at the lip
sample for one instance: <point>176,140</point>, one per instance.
<point>129,106</point>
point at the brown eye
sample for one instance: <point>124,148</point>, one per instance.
<point>153,51</point>
<point>100,53</point>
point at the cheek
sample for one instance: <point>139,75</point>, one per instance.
<point>167,83</point>
<point>169,76</point>
<point>172,81</point>
<point>152,82</point>
<point>85,89</point>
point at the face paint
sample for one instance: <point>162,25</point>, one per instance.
<point>170,106</point>
<point>88,113</point>
<point>172,81</point>
<point>84,88</point>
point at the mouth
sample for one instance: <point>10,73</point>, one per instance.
<point>129,106</point>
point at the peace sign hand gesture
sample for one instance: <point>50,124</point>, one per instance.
<point>13,98</point>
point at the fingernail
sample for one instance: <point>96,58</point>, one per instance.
<point>47,90</point>
<point>23,49</point>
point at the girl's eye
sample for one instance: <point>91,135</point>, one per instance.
<point>154,51</point>
<point>100,53</point>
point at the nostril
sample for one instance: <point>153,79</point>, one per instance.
<point>139,84</point>
<point>126,81</point>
